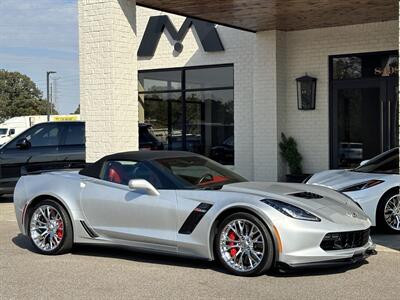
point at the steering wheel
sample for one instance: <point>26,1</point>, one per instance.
<point>205,178</point>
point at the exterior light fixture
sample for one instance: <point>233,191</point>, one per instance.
<point>306,91</point>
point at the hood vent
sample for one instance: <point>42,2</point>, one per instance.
<point>306,195</point>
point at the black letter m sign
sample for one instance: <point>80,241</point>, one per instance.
<point>205,31</point>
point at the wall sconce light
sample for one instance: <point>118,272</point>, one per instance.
<point>306,91</point>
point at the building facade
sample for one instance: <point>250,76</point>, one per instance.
<point>232,103</point>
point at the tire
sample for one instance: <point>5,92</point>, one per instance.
<point>239,258</point>
<point>59,238</point>
<point>386,203</point>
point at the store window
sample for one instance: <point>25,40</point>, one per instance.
<point>190,109</point>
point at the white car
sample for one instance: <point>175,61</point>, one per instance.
<point>374,185</point>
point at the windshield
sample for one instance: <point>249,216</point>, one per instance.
<point>3,131</point>
<point>198,172</point>
<point>385,163</point>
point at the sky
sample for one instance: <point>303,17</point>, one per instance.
<point>42,35</point>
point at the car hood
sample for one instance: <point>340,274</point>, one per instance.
<point>285,192</point>
<point>331,205</point>
<point>339,179</point>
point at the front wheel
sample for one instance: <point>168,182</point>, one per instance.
<point>388,213</point>
<point>50,229</point>
<point>244,245</point>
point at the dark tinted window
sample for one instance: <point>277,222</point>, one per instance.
<point>75,134</point>
<point>197,172</point>
<point>367,65</point>
<point>386,163</point>
<point>122,171</point>
<point>205,78</point>
<point>42,135</point>
<point>190,109</point>
<point>160,81</point>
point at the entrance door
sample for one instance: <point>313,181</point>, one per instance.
<point>364,120</point>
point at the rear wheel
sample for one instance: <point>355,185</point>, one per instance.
<point>50,229</point>
<point>388,212</point>
<point>244,245</point>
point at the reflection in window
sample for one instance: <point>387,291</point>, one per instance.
<point>367,65</point>
<point>197,118</point>
<point>346,67</point>
<point>159,81</point>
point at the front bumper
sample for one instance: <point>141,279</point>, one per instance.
<point>301,242</point>
<point>356,258</point>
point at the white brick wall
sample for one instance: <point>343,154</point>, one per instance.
<point>108,74</point>
<point>265,97</point>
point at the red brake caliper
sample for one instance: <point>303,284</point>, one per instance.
<point>232,236</point>
<point>60,230</point>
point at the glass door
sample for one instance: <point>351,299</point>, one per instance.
<point>363,120</point>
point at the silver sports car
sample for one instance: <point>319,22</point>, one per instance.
<point>182,203</point>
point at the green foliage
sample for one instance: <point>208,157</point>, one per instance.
<point>290,154</point>
<point>77,110</point>
<point>19,96</point>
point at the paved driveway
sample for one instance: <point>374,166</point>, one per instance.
<point>104,273</point>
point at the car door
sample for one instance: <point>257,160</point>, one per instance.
<point>40,154</point>
<point>116,212</point>
<point>72,147</point>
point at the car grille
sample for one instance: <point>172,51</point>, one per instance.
<point>345,240</point>
<point>306,195</point>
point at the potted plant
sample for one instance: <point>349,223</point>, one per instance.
<point>289,152</point>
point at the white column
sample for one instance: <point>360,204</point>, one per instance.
<point>268,105</point>
<point>108,76</point>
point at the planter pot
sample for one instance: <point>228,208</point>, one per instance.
<point>296,178</point>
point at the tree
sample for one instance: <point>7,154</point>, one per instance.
<point>19,96</point>
<point>77,110</point>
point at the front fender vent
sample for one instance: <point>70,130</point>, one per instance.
<point>194,218</point>
<point>306,195</point>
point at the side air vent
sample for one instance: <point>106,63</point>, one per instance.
<point>306,195</point>
<point>194,218</point>
<point>89,231</point>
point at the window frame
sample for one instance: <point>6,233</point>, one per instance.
<point>183,91</point>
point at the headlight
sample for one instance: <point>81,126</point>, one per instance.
<point>291,210</point>
<point>361,186</point>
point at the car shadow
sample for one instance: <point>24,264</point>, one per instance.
<point>123,253</point>
<point>387,240</point>
<point>23,242</point>
<point>315,271</point>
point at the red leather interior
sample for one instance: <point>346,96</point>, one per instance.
<point>114,176</point>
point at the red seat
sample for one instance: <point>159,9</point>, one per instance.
<point>115,173</point>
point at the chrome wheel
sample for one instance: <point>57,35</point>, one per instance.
<point>392,212</point>
<point>46,228</point>
<point>242,245</point>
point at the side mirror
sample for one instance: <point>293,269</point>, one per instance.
<point>143,185</point>
<point>23,144</point>
<point>11,132</point>
<point>364,162</point>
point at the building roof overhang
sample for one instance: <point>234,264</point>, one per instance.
<point>285,15</point>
